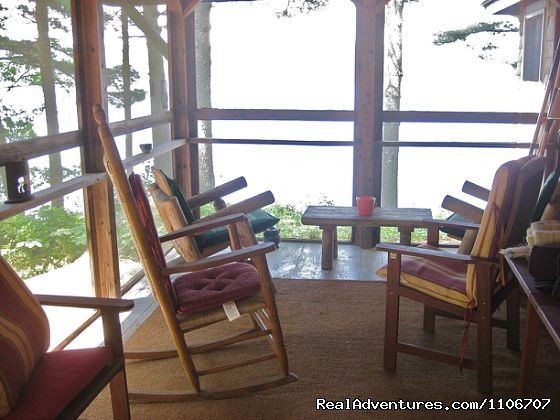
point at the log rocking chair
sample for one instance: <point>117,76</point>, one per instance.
<point>36,384</point>
<point>465,286</point>
<point>208,288</point>
<point>177,211</point>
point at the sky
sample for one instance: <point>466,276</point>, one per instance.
<point>306,62</point>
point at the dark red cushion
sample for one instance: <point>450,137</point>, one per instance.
<point>57,379</point>
<point>145,213</point>
<point>207,289</point>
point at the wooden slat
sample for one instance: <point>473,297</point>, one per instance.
<point>269,142</point>
<point>156,151</point>
<point>136,124</point>
<point>38,146</point>
<point>274,114</point>
<point>474,144</point>
<point>49,194</point>
<point>460,117</point>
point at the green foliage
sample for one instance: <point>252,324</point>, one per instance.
<point>448,37</point>
<point>17,124</point>
<point>36,242</point>
<point>298,7</point>
<point>115,90</point>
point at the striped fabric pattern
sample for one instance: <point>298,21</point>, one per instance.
<point>24,335</point>
<point>493,221</point>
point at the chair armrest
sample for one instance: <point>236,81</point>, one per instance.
<point>109,309</point>
<point>463,208</point>
<point>476,190</point>
<point>245,206</point>
<point>437,224</point>
<point>218,192</point>
<point>111,304</point>
<point>431,253</point>
<point>201,226</point>
<point>223,258</point>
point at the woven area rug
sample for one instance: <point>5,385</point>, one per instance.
<point>334,335</point>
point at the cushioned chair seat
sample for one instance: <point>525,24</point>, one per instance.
<point>445,280</point>
<point>259,219</point>
<point>58,377</point>
<point>202,290</point>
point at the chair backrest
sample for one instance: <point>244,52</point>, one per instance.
<point>174,219</point>
<point>527,193</point>
<point>141,237</point>
<point>24,335</point>
<point>512,197</point>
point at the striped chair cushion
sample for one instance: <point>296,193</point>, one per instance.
<point>24,335</point>
<point>444,280</point>
<point>489,237</point>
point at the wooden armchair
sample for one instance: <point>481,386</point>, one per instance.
<point>176,212</point>
<point>36,384</point>
<point>464,286</point>
<point>207,291</point>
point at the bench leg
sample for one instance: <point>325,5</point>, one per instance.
<point>329,246</point>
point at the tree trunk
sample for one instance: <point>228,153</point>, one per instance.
<point>49,91</point>
<point>203,90</point>
<point>159,98</point>
<point>393,74</point>
<point>127,99</point>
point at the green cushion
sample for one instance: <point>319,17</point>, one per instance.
<point>545,195</point>
<point>178,193</point>
<point>455,231</point>
<point>259,219</point>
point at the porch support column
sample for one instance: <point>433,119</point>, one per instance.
<point>87,21</point>
<point>183,94</point>
<point>368,106</point>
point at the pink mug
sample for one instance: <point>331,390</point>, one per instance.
<point>365,204</point>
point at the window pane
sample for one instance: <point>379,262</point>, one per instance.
<point>477,73</point>
<point>136,58</point>
<point>261,60</point>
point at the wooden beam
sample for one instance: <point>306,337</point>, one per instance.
<point>141,123</point>
<point>180,127</point>
<point>368,103</point>
<point>205,114</point>
<point>39,146</point>
<point>87,21</point>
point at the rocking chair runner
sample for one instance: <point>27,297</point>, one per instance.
<point>194,300</point>
<point>459,285</point>
<point>36,384</point>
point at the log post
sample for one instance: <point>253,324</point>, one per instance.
<point>87,21</point>
<point>368,106</point>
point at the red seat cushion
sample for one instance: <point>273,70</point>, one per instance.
<point>448,274</point>
<point>58,377</point>
<point>207,289</point>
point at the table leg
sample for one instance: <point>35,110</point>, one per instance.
<point>405,233</point>
<point>529,354</point>
<point>328,243</point>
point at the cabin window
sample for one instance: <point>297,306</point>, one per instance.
<point>532,47</point>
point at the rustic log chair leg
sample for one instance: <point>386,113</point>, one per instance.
<point>119,397</point>
<point>272,315</point>
<point>513,326</point>
<point>429,324</point>
<point>484,330</point>
<point>392,313</point>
